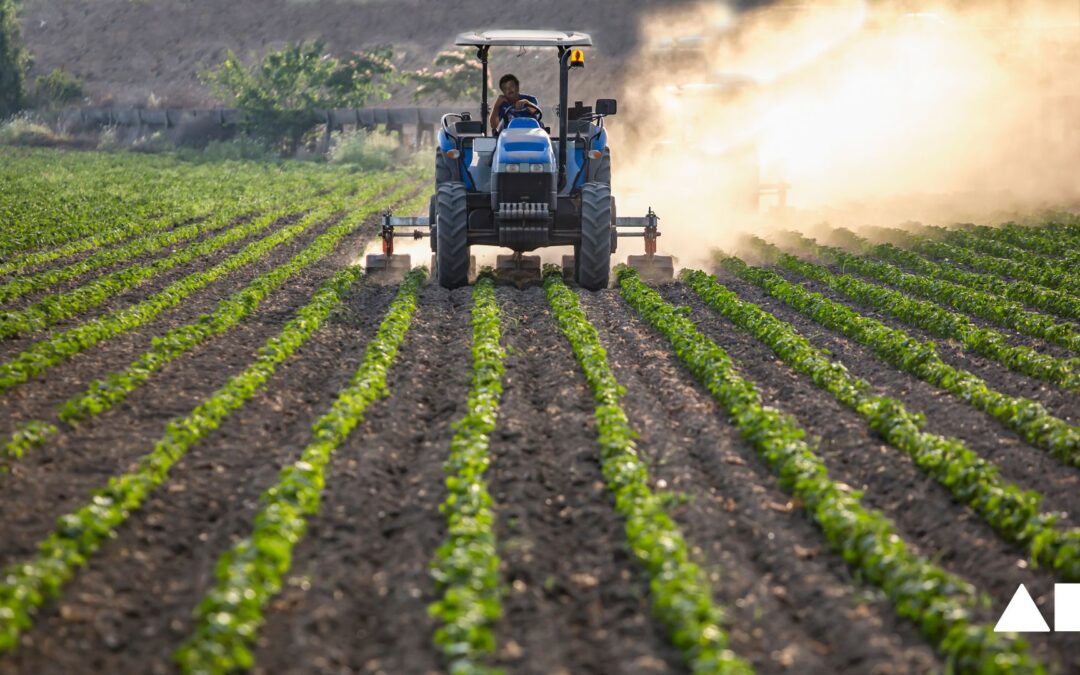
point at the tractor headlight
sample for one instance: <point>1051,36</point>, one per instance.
<point>537,168</point>
<point>513,168</point>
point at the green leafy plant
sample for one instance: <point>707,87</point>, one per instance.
<point>1045,275</point>
<point>933,318</point>
<point>57,88</point>
<point>54,308</point>
<point>454,77</point>
<point>1050,272</point>
<point>250,573</point>
<point>14,60</point>
<point>941,604</point>
<point>368,150</point>
<point>1028,418</point>
<point>977,303</point>
<point>466,566</point>
<point>243,147</point>
<point>1054,244</point>
<point>49,351</point>
<point>152,243</point>
<point>1040,297</point>
<point>1011,511</point>
<point>27,128</point>
<point>27,585</point>
<point>681,596</point>
<point>59,206</point>
<point>104,393</point>
<point>279,97</point>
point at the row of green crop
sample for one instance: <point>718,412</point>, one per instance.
<point>52,196</point>
<point>1043,275</point>
<point>57,307</point>
<point>1065,222</point>
<point>1011,511</point>
<point>148,244</point>
<point>59,203</point>
<point>898,348</point>
<point>681,596</point>
<point>1052,271</point>
<point>104,393</point>
<point>25,586</point>
<point>249,574</point>
<point>1060,245</point>
<point>942,605</point>
<point>46,353</point>
<point>466,566</point>
<point>23,261</point>
<point>933,318</point>
<point>978,303</point>
<point>1033,295</point>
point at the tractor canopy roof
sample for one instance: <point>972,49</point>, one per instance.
<point>524,38</point>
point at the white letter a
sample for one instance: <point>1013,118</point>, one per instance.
<point>1021,616</point>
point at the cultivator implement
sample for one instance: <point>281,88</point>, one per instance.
<point>519,269</point>
<point>389,265</point>
<point>651,267</point>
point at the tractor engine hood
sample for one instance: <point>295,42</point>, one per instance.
<point>524,145</point>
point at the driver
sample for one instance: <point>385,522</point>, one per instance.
<point>512,103</point>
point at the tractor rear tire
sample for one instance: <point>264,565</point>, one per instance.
<point>452,235</point>
<point>593,259</point>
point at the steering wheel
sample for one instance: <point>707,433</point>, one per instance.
<point>512,113</point>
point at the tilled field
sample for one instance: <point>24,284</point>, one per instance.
<point>296,468</point>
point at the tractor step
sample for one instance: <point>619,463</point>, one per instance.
<point>387,267</point>
<point>657,268</point>
<point>518,270</point>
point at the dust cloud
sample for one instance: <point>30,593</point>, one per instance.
<point>854,113</point>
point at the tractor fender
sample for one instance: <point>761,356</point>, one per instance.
<point>600,169</point>
<point>446,169</point>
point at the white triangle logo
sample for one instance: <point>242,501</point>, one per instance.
<point>1021,616</point>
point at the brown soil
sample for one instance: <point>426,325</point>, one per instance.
<point>356,597</point>
<point>136,261</point>
<point>789,599</point>
<point>131,606</point>
<point>924,512</point>
<point>576,601</point>
<point>38,398</point>
<point>1061,403</point>
<point>1019,461</point>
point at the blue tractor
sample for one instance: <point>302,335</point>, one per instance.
<point>521,187</point>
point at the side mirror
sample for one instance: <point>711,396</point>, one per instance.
<point>606,106</point>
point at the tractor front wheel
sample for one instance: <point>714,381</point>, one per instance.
<point>593,254</point>
<point>452,235</point>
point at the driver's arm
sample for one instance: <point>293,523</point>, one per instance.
<point>493,120</point>
<point>526,103</point>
